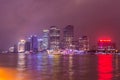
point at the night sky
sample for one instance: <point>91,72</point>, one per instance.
<point>98,19</point>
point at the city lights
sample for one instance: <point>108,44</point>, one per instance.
<point>53,42</point>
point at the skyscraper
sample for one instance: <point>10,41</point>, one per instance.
<point>68,35</point>
<point>27,46</point>
<point>40,45</point>
<point>84,43</point>
<point>34,43</point>
<point>21,46</point>
<point>54,40</point>
<point>46,39</point>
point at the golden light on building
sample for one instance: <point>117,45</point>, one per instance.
<point>21,46</point>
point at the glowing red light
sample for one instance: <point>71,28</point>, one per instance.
<point>109,40</point>
<point>105,40</point>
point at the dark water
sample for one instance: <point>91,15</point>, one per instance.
<point>59,67</point>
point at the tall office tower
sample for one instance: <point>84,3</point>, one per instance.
<point>34,43</point>
<point>84,43</point>
<point>27,45</point>
<point>40,45</point>
<point>68,35</point>
<point>21,46</point>
<point>46,39</point>
<point>54,38</point>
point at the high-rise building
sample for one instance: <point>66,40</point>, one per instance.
<point>75,45</point>
<point>27,46</point>
<point>54,38</point>
<point>21,46</point>
<point>40,45</point>
<point>46,39</point>
<point>34,43</point>
<point>106,46</point>
<point>84,43</point>
<point>68,35</point>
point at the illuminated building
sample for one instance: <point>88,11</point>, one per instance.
<point>34,43</point>
<point>106,46</point>
<point>46,39</point>
<point>21,46</point>
<point>11,49</point>
<point>84,43</point>
<point>68,36</point>
<point>54,38</point>
<point>75,45</point>
<point>27,45</point>
<point>40,45</point>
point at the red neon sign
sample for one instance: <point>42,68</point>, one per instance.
<point>105,40</point>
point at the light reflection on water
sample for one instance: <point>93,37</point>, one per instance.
<point>105,67</point>
<point>59,67</point>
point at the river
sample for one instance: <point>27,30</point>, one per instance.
<point>59,67</point>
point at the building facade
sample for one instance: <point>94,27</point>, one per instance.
<point>40,45</point>
<point>84,43</point>
<point>106,46</point>
<point>68,36</point>
<point>27,46</point>
<point>46,39</point>
<point>11,50</point>
<point>21,46</point>
<point>34,43</point>
<point>54,38</point>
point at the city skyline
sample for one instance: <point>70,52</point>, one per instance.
<point>95,18</point>
<point>52,40</point>
<point>59,39</point>
<point>62,37</point>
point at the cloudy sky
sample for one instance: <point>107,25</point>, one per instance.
<point>99,19</point>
